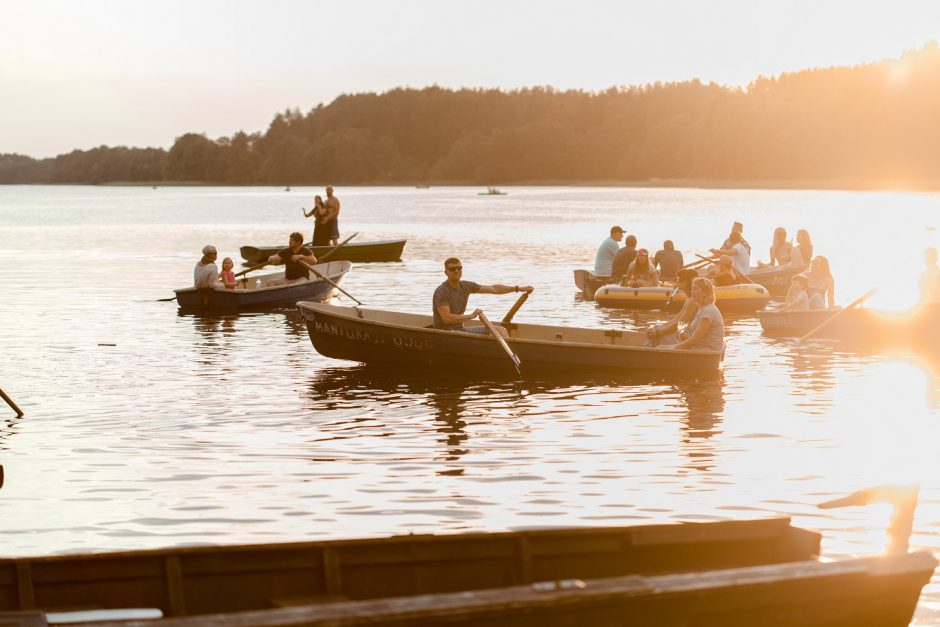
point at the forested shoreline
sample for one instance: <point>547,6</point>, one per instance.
<point>872,125</point>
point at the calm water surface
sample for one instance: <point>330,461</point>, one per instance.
<point>146,428</point>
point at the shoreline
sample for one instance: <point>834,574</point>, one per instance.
<point>756,184</point>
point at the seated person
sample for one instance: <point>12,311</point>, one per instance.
<point>797,297</point>
<point>293,257</point>
<point>740,255</point>
<point>820,285</point>
<point>666,333</point>
<point>724,273</point>
<point>623,259</point>
<point>641,272</point>
<point>779,251</point>
<point>451,296</point>
<point>668,260</point>
<point>604,260</point>
<point>706,331</point>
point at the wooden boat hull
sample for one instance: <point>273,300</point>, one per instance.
<point>918,329</point>
<point>775,278</point>
<point>363,252</point>
<point>374,336</point>
<point>588,283</point>
<point>746,298</point>
<point>246,296</point>
<point>715,573</point>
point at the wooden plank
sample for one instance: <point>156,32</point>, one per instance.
<point>174,586</point>
<point>24,579</point>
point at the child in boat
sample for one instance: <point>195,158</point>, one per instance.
<point>227,276</point>
<point>797,297</point>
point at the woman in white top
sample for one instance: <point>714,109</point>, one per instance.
<point>820,285</point>
<point>802,253</point>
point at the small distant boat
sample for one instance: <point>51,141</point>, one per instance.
<point>589,283</point>
<point>287,189</point>
<point>362,252</point>
<point>422,187</point>
<point>492,191</point>
<point>391,337</point>
<point>745,298</point>
<point>250,291</point>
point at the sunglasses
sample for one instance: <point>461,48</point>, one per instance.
<point>453,268</point>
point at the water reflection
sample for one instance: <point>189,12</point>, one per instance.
<point>704,401</point>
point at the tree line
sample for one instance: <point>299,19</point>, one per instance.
<point>872,124</point>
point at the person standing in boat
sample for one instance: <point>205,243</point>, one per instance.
<point>321,234</point>
<point>604,260</point>
<point>739,253</point>
<point>668,260</point>
<point>332,217</point>
<point>820,285</point>
<point>738,228</point>
<point>623,259</point>
<point>641,272</point>
<point>291,257</point>
<point>450,299</point>
<point>206,273</point>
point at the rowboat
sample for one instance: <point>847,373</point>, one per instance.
<point>589,283</point>
<point>746,298</point>
<point>872,328</point>
<point>775,278</point>
<point>491,191</point>
<point>362,252</point>
<point>250,292</point>
<point>761,572</point>
<point>377,336</point>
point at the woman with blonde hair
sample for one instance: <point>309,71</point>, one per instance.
<point>820,285</point>
<point>707,329</point>
<point>780,249</point>
<point>802,253</point>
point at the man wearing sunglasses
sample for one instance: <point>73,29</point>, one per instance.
<point>450,298</point>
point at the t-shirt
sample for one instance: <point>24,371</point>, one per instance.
<point>669,262</point>
<point>634,272</point>
<point>604,259</point>
<point>294,269</point>
<point>727,245</point>
<point>741,258</point>
<point>455,298</point>
<point>205,275</point>
<point>622,261</point>
<point>800,302</point>
<point>715,337</point>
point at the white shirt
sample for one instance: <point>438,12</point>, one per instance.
<point>603,262</point>
<point>741,258</point>
<point>205,275</point>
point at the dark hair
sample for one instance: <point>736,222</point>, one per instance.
<point>734,237</point>
<point>616,229</point>
<point>631,240</point>
<point>668,245</point>
<point>450,261</point>
<point>296,237</point>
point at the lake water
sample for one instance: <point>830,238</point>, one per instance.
<point>146,428</point>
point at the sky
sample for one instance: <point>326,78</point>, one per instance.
<point>76,74</point>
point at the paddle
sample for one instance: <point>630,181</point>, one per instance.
<point>499,338</point>
<point>19,412</point>
<point>250,268</point>
<point>669,300</point>
<point>335,248</point>
<point>316,272</point>
<point>512,312</point>
<point>858,301</point>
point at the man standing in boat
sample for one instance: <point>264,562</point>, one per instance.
<point>206,273</point>
<point>604,260</point>
<point>332,216</point>
<point>291,257</point>
<point>450,299</point>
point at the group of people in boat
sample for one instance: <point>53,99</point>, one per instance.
<point>295,257</point>
<point>634,263</point>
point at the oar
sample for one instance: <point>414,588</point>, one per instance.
<point>858,301</point>
<point>335,248</point>
<point>250,268</point>
<point>669,300</point>
<point>316,272</point>
<point>19,412</point>
<point>502,342</point>
<point>704,258</point>
<point>512,312</point>
<point>695,264</point>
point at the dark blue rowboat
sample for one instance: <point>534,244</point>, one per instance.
<point>250,292</point>
<point>362,252</point>
<point>376,336</point>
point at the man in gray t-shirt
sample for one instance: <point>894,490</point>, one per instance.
<point>450,298</point>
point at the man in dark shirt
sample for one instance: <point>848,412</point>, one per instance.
<point>623,258</point>
<point>668,260</point>
<point>450,299</point>
<point>291,257</point>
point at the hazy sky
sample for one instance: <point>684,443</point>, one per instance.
<point>82,73</point>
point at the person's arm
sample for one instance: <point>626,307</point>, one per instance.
<point>654,276</point>
<point>671,326</point>
<point>313,212</point>
<point>450,318</point>
<point>499,288</point>
<point>308,258</point>
<point>831,293</point>
<point>704,324</point>
<point>722,251</point>
<point>275,259</point>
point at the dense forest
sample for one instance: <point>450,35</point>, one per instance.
<point>869,125</point>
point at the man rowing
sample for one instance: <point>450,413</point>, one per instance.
<point>293,257</point>
<point>451,296</point>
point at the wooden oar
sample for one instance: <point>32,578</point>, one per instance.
<point>512,312</point>
<point>858,301</point>
<point>499,338</point>
<point>669,300</point>
<point>335,248</point>
<point>19,412</point>
<point>696,264</point>
<point>249,269</point>
<point>317,272</point>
